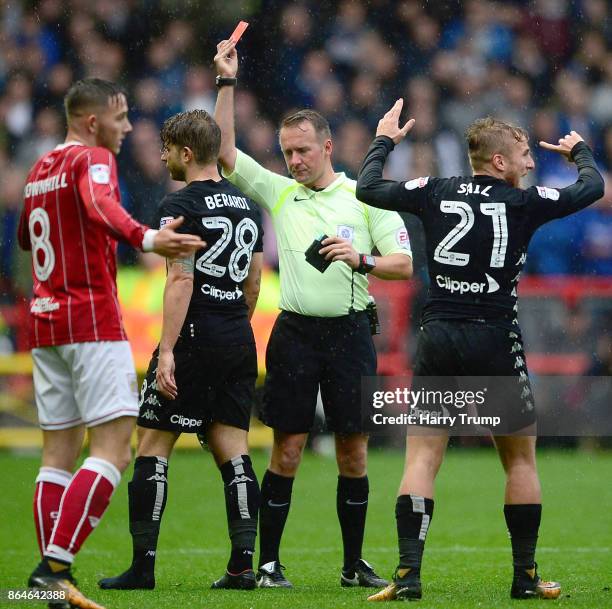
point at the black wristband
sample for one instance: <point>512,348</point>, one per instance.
<point>225,81</point>
<point>367,263</point>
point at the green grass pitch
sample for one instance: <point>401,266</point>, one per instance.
<point>467,560</point>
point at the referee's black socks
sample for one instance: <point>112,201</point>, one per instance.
<point>275,503</point>
<point>242,498</point>
<point>352,506</point>
<point>413,515</point>
<point>523,522</point>
<point>147,493</point>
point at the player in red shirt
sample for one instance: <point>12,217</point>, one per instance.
<point>84,374</point>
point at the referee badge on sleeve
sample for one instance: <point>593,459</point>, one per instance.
<point>401,236</point>
<point>346,232</point>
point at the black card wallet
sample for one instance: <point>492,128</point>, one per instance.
<point>313,257</point>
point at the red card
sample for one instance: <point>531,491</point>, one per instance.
<point>237,33</point>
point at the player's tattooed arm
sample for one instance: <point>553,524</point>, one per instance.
<point>252,283</point>
<point>185,265</point>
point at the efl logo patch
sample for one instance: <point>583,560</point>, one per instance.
<point>401,236</point>
<point>100,174</point>
<point>345,232</point>
<point>165,220</point>
<point>416,183</point>
<point>548,193</point>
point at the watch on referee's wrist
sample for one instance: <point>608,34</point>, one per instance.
<point>226,81</point>
<point>367,263</point>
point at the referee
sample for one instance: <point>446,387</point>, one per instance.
<point>322,337</point>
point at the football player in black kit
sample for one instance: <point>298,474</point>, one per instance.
<point>201,378</point>
<point>477,230</point>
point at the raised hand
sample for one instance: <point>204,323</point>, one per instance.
<point>226,59</point>
<point>565,144</point>
<point>389,124</point>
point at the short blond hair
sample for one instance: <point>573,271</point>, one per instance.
<point>489,136</point>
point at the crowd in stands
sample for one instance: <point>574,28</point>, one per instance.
<point>543,64</point>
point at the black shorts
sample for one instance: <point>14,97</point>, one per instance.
<point>465,355</point>
<point>213,383</point>
<point>305,353</point>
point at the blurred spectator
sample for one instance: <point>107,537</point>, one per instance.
<point>351,144</point>
<point>11,189</point>
<point>48,132</point>
<point>199,89</point>
<point>17,107</point>
<point>146,175</point>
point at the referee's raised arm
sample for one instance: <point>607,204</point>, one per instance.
<point>226,63</point>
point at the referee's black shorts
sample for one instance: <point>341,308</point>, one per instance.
<point>491,355</point>
<point>305,353</point>
<point>214,384</point>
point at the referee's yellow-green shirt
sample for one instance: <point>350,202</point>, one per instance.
<point>300,215</point>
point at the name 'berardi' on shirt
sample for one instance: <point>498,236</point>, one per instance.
<point>221,199</point>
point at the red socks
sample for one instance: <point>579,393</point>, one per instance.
<point>50,486</point>
<point>82,506</point>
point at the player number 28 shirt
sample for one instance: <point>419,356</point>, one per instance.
<point>230,224</point>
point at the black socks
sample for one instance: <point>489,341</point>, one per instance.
<point>242,499</point>
<point>275,503</point>
<point>413,515</point>
<point>352,506</point>
<point>523,522</point>
<point>147,494</point>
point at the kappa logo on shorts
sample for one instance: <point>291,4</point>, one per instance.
<point>526,392</point>
<point>516,348</point>
<point>151,399</point>
<point>149,415</point>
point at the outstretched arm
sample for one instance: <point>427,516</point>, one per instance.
<point>226,62</point>
<point>588,188</point>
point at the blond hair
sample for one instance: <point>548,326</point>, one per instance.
<point>489,136</point>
